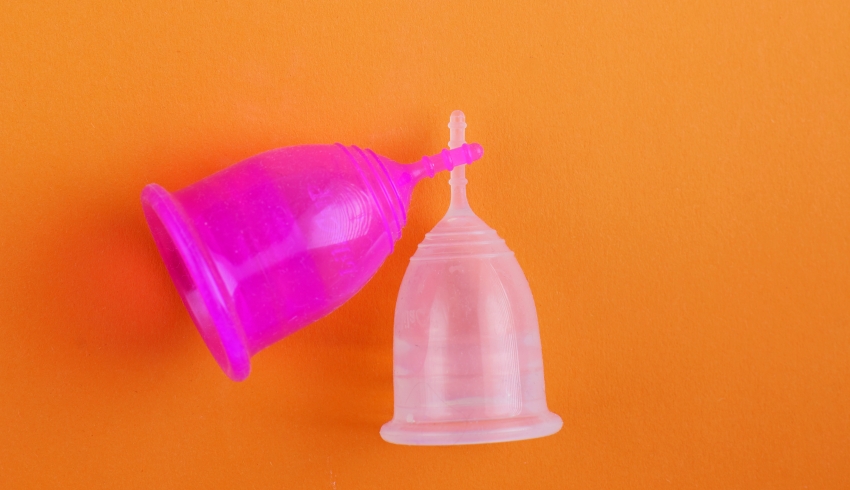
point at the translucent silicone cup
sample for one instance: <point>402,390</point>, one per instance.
<point>467,358</point>
<point>468,365</point>
<point>273,243</point>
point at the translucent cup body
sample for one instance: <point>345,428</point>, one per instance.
<point>273,243</point>
<point>467,359</point>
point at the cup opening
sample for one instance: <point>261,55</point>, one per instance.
<point>196,280</point>
<point>484,431</point>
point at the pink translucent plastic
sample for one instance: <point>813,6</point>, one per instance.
<point>273,243</point>
<point>467,360</point>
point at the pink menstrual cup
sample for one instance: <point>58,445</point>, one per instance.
<point>275,242</point>
<point>467,361</point>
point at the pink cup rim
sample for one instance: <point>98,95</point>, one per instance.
<point>226,338</point>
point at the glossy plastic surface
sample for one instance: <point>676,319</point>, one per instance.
<point>273,243</point>
<point>467,359</point>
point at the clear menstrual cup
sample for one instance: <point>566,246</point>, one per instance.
<point>467,360</point>
<point>273,243</point>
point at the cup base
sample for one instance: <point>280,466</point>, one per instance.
<point>472,431</point>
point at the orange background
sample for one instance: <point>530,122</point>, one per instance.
<point>674,179</point>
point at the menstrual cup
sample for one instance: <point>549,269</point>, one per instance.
<point>467,360</point>
<point>275,242</point>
